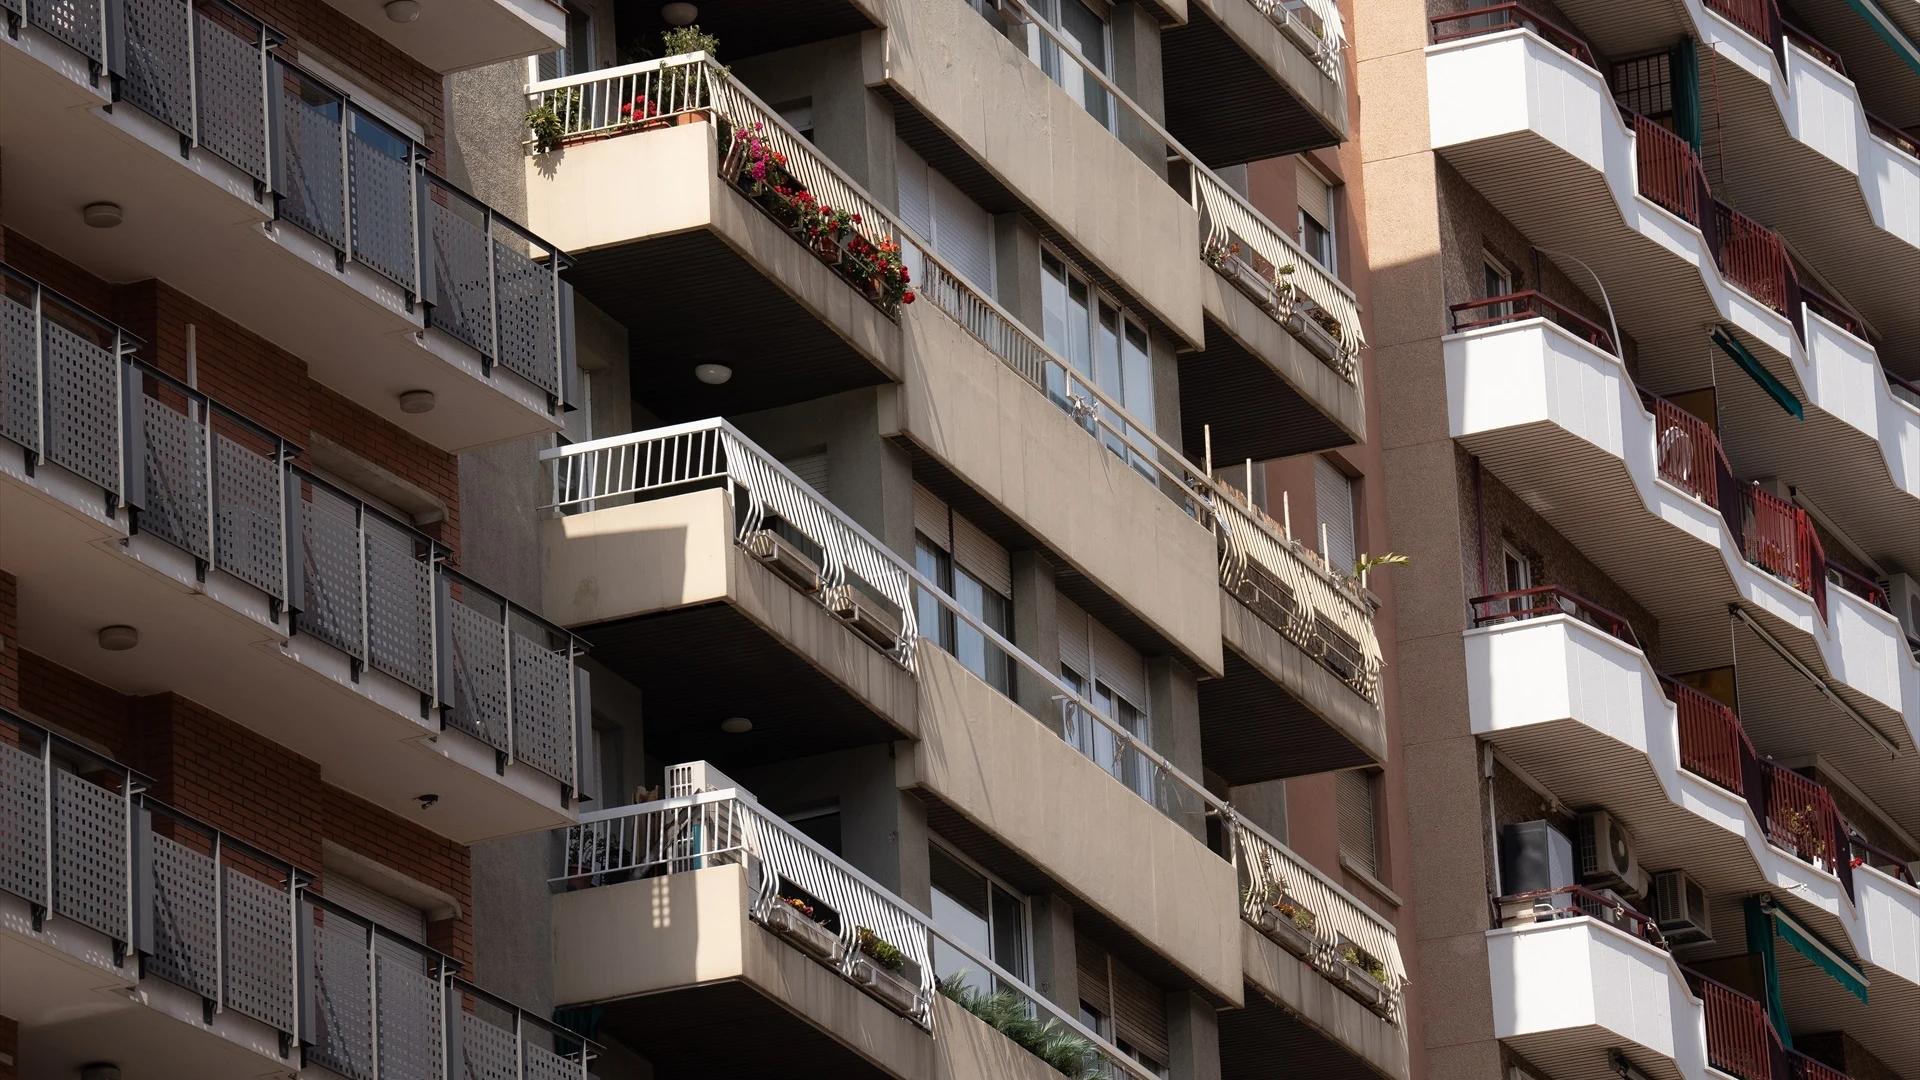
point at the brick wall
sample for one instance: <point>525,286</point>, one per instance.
<point>9,643</point>
<point>9,1048</point>
<point>374,833</point>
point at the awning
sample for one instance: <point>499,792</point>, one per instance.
<point>1809,945</point>
<point>1888,32</point>
<point>1758,372</point>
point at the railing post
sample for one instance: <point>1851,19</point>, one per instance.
<point>373,999</point>
<point>506,647</point>
<point>220,925</point>
<point>519,1045</point>
<point>193,82</point>
<point>366,590</point>
<point>46,779</point>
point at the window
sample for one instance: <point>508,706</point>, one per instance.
<point>957,229</point>
<point>1333,504</point>
<point>1355,798</point>
<point>977,573</point>
<point>388,912</point>
<point>1086,28</point>
<point>1517,572</point>
<point>799,114</point>
<point>1121,1006</point>
<point>821,824</point>
<point>577,57</point>
<point>1110,674</point>
<point>1315,197</point>
<point>1108,347</point>
<point>1495,281</point>
<point>981,912</point>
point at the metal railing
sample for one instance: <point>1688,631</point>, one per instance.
<point>1578,901</point>
<point>1781,540</point>
<point>226,491</point>
<point>1495,18</point>
<point>1813,45</point>
<point>1740,1038</point>
<point>1858,584</point>
<point>1833,311</point>
<point>1669,172</point>
<point>1530,304</point>
<point>1907,141</point>
<point>1753,258</point>
<point>1881,859</point>
<point>241,928</point>
<point>1315,26</point>
<point>1542,601</point>
<point>1902,389</point>
<point>835,901</point>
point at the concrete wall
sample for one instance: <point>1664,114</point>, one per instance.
<point>1274,51</point>
<point>1304,677</point>
<point>997,432</point>
<point>1015,777</point>
<point>852,126</point>
<point>868,477</point>
<point>1076,175</point>
<point>1301,990</point>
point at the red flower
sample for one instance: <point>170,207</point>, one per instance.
<point>907,299</point>
<point>779,158</point>
<point>627,109</point>
<point>856,219</point>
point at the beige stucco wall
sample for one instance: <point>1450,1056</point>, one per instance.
<point>1014,777</point>
<point>1076,175</point>
<point>676,552</point>
<point>993,429</point>
<point>627,189</point>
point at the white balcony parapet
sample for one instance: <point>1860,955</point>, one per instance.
<point>1329,614</point>
<point>1315,26</point>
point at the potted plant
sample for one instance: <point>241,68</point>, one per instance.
<point>548,121</point>
<point>682,84</point>
<point>1290,924</point>
<point>1012,1016</point>
<point>804,925</point>
<point>882,970</point>
<point>878,270</point>
<point>586,857</point>
<point>1364,978</point>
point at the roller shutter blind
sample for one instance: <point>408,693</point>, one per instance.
<point>930,518</point>
<point>385,911</point>
<point>1139,1014</point>
<point>979,555</point>
<point>1354,805</point>
<point>1116,664</point>
<point>1333,504</point>
<point>811,469</point>
<point>1075,652</point>
<point>942,215</point>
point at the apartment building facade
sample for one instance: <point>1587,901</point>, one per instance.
<point>1643,333</point>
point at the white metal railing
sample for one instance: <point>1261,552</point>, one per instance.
<point>1331,598</point>
<point>1316,26</point>
<point>778,856</point>
<point>704,450</point>
<point>1270,871</point>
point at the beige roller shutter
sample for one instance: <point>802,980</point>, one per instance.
<point>388,912</point>
<point>1074,650</point>
<point>1116,664</point>
<point>1139,1014</point>
<point>811,469</point>
<point>1316,198</point>
<point>1090,960</point>
<point>982,557</point>
<point>930,518</point>
<point>1354,805</point>
<point>1333,503</point>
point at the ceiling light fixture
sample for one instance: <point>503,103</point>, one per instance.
<point>118,638</point>
<point>736,725</point>
<point>712,374</point>
<point>101,215</point>
<point>678,14</point>
<point>415,402</point>
<point>403,11</point>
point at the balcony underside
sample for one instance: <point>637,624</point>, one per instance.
<point>1277,712</point>
<point>691,298</point>
<point>1259,391</point>
<point>1233,98</point>
<point>730,1029</point>
<point>196,225</point>
<point>698,666</point>
<point>1889,84</point>
<point>1581,1053</point>
<point>214,643</point>
<point>1816,1002</point>
<point>753,27</point>
<point>468,34</point>
<point>1663,286</point>
<point>1294,1014</point>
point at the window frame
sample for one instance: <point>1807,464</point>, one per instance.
<point>1042,50</point>
<point>1330,226</point>
<point>995,881</point>
<point>1135,450</point>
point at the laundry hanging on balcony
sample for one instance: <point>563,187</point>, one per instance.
<point>1758,372</point>
<point>1809,945</point>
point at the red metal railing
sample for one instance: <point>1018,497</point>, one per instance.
<point>1740,1038</point>
<point>1834,312</point>
<point>1802,818</point>
<point>1712,742</point>
<point>1670,172</point>
<point>1544,600</point>
<point>1815,46</point>
<point>1882,860</point>
<point>1912,389</point>
<point>1498,17</point>
<point>1752,257</point>
<point>1587,902</point>
<point>1908,142</point>
<point>1761,18</point>
<point>1689,453</point>
<point>1805,1068</point>
<point>1780,540</point>
<point>1516,307</point>
<point>1858,584</point>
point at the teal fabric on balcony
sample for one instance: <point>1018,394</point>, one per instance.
<point>1809,945</point>
<point>1760,943</point>
<point>1758,372</point>
<point>1888,32</point>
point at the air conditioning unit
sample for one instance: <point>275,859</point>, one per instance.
<point>1612,909</point>
<point>694,777</point>
<point>1680,909</point>
<point>1606,855</point>
<point>1903,595</point>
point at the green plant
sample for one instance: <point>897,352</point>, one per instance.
<point>800,906</point>
<point>1365,961</point>
<point>548,121</point>
<point>1367,562</point>
<point>879,949</point>
<point>681,40</point>
<point>1302,917</point>
<point>1011,1015</point>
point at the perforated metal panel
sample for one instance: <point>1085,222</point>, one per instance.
<point>528,310</point>
<point>330,603</point>
<point>544,1064</point>
<point>489,1051</point>
<point>247,505</point>
<point>463,304</point>
<point>312,179</point>
<point>410,1028</point>
<point>76,22</point>
<point>10,5</point>
<point>381,173</point>
<point>343,998</point>
<point>176,467</point>
<point>90,855</point>
<point>399,605</point>
<point>23,824</point>
<point>258,959</point>
<point>232,95</point>
<point>159,61</point>
<point>19,374</point>
<point>479,675</point>
<point>186,917</point>
<point>543,708</point>
<point>83,432</point>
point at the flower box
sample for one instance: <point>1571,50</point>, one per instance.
<point>1310,333</point>
<point>897,990</point>
<point>867,617</point>
<point>1362,987</point>
<point>803,933</point>
<point>779,555</point>
<point>1280,926</point>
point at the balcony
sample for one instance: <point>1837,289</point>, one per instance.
<point>1581,709</point>
<point>146,933</point>
<point>1281,61</point>
<point>263,593</point>
<point>248,183</point>
<point>1678,268</point>
<point>711,935</point>
<point>469,34</point>
<point>1799,147</point>
<point>1323,969</point>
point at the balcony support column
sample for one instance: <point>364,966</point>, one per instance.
<point>1193,1037</point>
<point>1055,971</point>
<point>1036,629</point>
